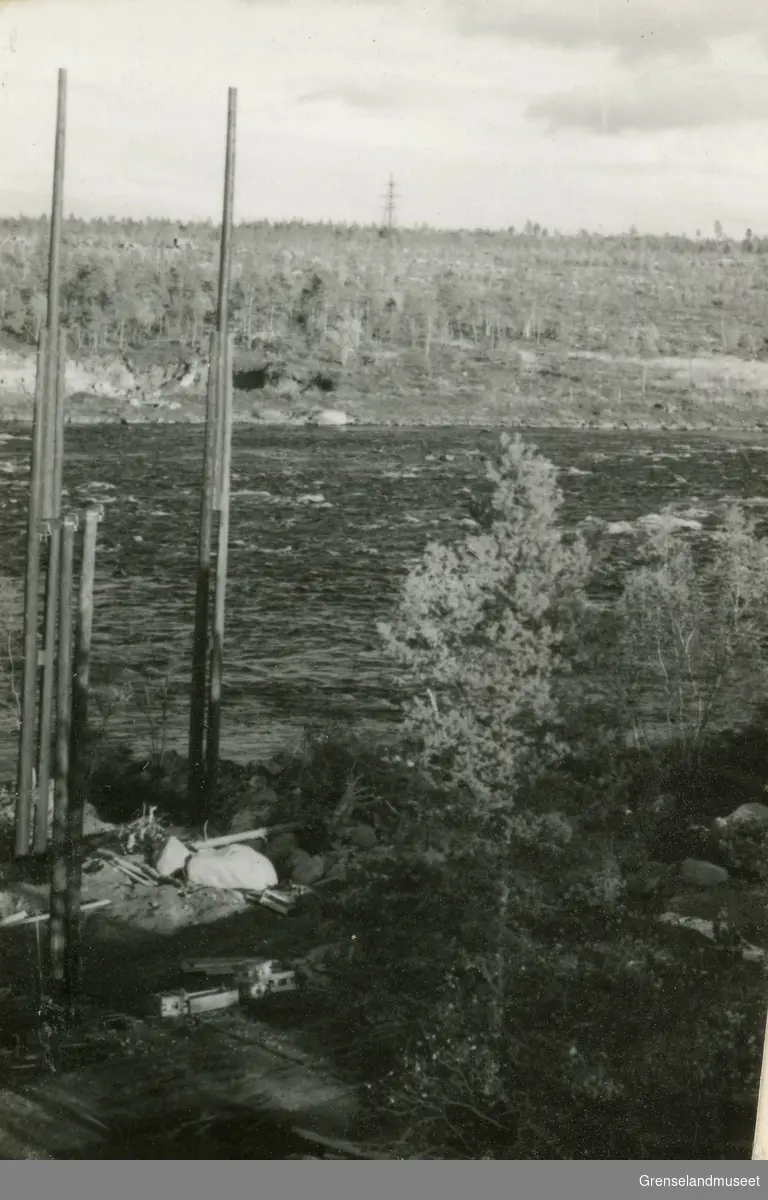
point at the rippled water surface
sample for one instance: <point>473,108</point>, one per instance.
<point>323,526</point>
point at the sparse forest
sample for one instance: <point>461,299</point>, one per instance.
<point>129,284</point>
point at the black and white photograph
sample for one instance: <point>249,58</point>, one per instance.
<point>384,581</point>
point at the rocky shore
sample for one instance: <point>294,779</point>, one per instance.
<point>457,386</point>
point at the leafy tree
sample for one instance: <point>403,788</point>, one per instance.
<point>482,629</point>
<point>693,634</point>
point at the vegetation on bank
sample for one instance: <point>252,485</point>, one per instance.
<point>496,958</point>
<point>126,285</point>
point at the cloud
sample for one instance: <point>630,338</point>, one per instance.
<point>658,101</point>
<point>634,29</point>
<point>381,98</point>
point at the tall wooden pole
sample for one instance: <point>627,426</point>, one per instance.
<point>40,485</point>
<point>78,752</point>
<point>58,930</point>
<point>222,554</point>
<point>197,713</point>
<point>202,747</point>
<point>225,273</point>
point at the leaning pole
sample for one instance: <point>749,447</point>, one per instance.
<point>44,506</point>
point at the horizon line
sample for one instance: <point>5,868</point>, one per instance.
<point>538,232</point>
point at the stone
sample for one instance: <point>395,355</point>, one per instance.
<point>307,869</point>
<point>280,850</point>
<point>702,874</point>
<point>754,812</point>
<point>271,416</point>
<point>648,880</point>
<point>338,871</point>
<point>364,837</point>
<point>331,416</point>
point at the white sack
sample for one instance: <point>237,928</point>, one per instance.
<point>231,868</point>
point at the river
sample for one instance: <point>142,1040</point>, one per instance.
<point>324,523</point>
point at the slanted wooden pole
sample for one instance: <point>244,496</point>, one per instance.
<point>58,928</point>
<point>26,772</point>
<point>78,752</point>
<point>51,605</point>
<point>222,554</point>
<point>41,485</point>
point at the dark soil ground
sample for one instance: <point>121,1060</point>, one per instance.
<point>228,1084</point>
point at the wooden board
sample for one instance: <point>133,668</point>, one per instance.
<point>176,1078</point>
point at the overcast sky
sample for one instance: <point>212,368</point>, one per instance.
<point>573,113</point>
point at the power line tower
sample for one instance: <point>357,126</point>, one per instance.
<point>389,207</point>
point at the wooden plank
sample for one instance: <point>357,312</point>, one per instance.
<point>168,1085</point>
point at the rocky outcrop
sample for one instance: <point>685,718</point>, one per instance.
<point>111,377</point>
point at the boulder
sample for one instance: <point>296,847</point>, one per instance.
<point>648,880</point>
<point>330,416</point>
<point>364,837</point>
<point>754,812</point>
<point>280,850</point>
<point>702,874</point>
<point>307,869</point>
<point>271,416</point>
<point>337,870</point>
